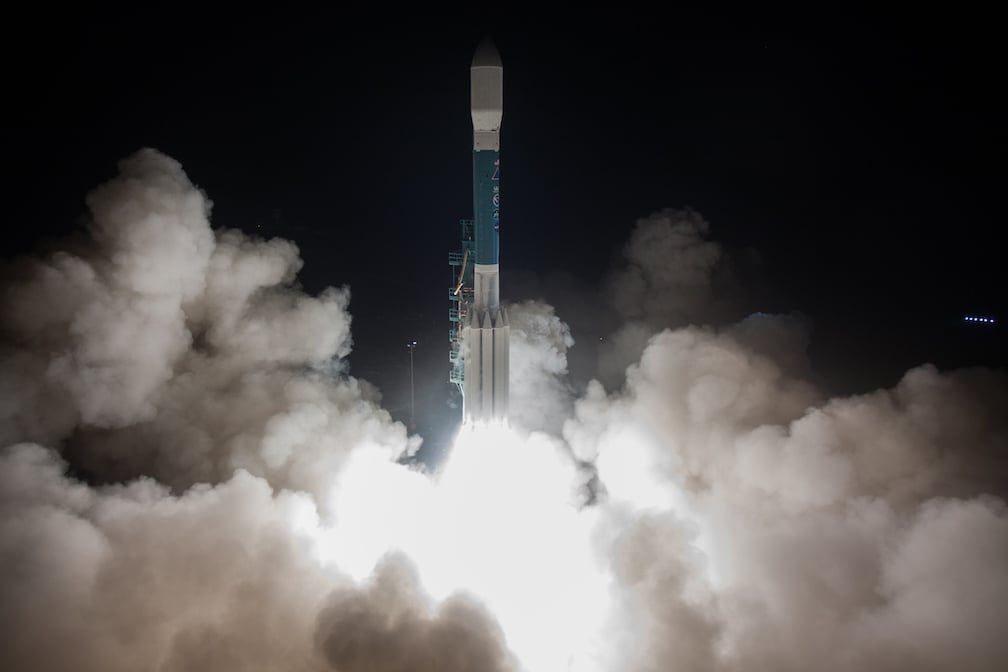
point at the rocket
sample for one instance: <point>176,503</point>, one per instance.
<point>485,334</point>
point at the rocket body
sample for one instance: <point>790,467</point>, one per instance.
<point>486,334</point>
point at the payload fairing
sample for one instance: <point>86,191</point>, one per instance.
<point>481,344</point>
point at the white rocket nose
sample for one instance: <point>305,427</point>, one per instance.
<point>486,55</point>
<point>487,86</point>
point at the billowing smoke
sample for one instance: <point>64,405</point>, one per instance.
<point>388,625</point>
<point>670,272</point>
<point>133,578</point>
<point>669,275</point>
<point>761,528</point>
<point>161,348</point>
<point>540,398</point>
<point>190,480</point>
<point>195,393</point>
<point>672,276</point>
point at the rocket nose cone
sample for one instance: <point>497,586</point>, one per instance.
<point>486,55</point>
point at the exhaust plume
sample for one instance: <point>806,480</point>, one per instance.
<point>190,480</point>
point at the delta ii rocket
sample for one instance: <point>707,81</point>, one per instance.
<point>481,342</point>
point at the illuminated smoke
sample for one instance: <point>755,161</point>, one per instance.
<point>131,578</point>
<point>189,480</point>
<point>165,349</point>
<point>782,533</point>
<point>540,398</point>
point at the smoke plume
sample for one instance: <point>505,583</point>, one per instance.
<point>190,479</point>
<point>672,276</point>
<point>181,373</point>
<point>165,349</point>
<point>765,528</point>
<point>387,626</point>
<point>540,397</point>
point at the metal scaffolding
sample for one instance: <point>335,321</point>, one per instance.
<point>460,297</point>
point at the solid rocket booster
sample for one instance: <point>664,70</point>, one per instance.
<point>487,334</point>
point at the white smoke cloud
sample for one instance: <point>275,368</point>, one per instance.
<point>671,276</point>
<point>186,364</point>
<point>786,532</point>
<point>225,577</point>
<point>670,268</point>
<point>130,577</point>
<point>390,625</point>
<point>126,329</point>
<point>190,481</point>
<point>540,397</point>
<point>168,350</point>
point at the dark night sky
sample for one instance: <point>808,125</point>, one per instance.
<point>863,165</point>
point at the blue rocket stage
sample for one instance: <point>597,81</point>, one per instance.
<point>481,341</point>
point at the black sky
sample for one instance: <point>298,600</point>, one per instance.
<point>865,164</point>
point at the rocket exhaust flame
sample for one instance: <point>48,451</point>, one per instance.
<point>501,522</point>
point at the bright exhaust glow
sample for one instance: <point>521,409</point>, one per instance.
<point>500,521</point>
